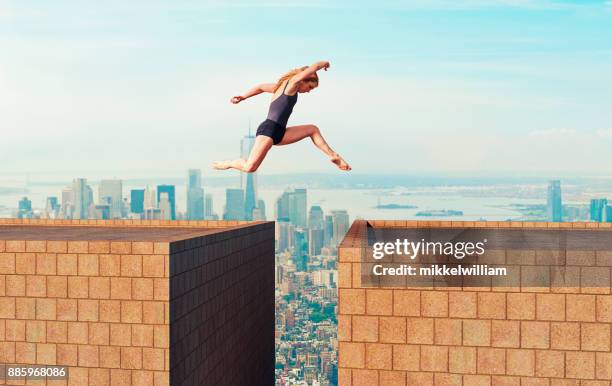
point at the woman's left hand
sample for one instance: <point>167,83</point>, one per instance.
<point>237,99</point>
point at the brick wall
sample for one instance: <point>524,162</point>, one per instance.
<point>222,309</point>
<point>105,308</point>
<point>477,335</point>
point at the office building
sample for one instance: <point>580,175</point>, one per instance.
<point>83,198</point>
<point>250,200</point>
<point>298,208</point>
<point>248,181</point>
<point>598,209</point>
<point>285,235</point>
<point>137,198</point>
<point>234,204</point>
<point>329,230</point>
<point>554,207</point>
<point>316,238</point>
<point>195,195</point>
<point>282,206</point>
<point>110,192</point>
<point>164,206</point>
<point>315,217</point>
<point>340,220</point>
<point>208,207</point>
<point>170,190</point>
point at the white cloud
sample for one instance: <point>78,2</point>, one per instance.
<point>552,133</point>
<point>604,133</point>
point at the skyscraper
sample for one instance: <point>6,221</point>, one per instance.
<point>329,230</point>
<point>137,198</point>
<point>282,206</point>
<point>598,209</point>
<point>285,237</point>
<point>195,195</point>
<point>52,207</point>
<point>234,204</point>
<point>83,198</point>
<point>259,213</point>
<point>208,207</point>
<point>250,202</point>
<point>291,206</point>
<point>341,225</point>
<point>171,198</point>
<point>315,217</point>
<point>25,208</point>
<point>297,208</point>
<point>110,192</point>
<point>67,206</point>
<point>248,181</point>
<point>316,237</point>
<point>150,199</point>
<point>554,206</point>
<point>300,251</point>
<point>164,206</point>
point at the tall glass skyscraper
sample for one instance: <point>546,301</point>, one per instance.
<point>110,192</point>
<point>234,204</point>
<point>248,181</point>
<point>171,198</point>
<point>297,208</point>
<point>329,230</point>
<point>291,206</point>
<point>282,207</point>
<point>341,225</point>
<point>195,195</point>
<point>83,198</point>
<point>250,201</point>
<point>315,217</point>
<point>598,209</point>
<point>208,208</point>
<point>137,197</point>
<point>554,206</point>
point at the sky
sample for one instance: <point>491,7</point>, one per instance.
<point>415,87</point>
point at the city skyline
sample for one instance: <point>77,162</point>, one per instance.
<point>477,81</point>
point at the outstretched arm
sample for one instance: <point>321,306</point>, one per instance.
<point>264,87</point>
<point>310,71</point>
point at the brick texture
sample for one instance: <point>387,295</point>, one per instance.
<point>500,336</point>
<point>149,307</point>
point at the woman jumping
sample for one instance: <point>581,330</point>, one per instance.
<point>274,130</point>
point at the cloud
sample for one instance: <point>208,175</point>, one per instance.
<point>552,133</point>
<point>565,133</point>
<point>604,133</point>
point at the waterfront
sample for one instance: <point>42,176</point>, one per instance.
<point>360,203</point>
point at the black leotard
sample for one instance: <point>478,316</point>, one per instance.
<point>278,115</point>
<point>282,107</point>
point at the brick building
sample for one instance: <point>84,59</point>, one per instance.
<point>484,334</point>
<point>139,302</point>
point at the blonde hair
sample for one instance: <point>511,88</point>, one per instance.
<point>314,77</point>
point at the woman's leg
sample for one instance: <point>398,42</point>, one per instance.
<point>297,133</point>
<point>258,153</point>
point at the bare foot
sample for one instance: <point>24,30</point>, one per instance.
<point>221,165</point>
<point>340,162</point>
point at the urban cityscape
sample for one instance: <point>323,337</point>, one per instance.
<point>306,248</point>
<point>306,251</point>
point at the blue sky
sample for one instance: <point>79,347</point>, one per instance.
<point>475,86</point>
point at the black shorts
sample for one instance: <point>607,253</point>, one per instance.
<point>271,129</point>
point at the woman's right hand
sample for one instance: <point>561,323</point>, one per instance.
<point>325,65</point>
<point>237,99</point>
